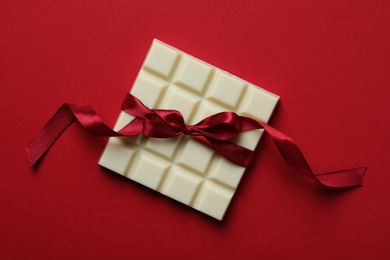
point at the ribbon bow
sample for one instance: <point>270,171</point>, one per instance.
<point>214,131</point>
<point>163,123</point>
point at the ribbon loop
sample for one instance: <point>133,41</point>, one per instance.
<point>155,126</point>
<point>173,118</point>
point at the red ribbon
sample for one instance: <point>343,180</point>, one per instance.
<point>214,131</point>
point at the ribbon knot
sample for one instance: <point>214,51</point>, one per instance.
<point>221,126</point>
<point>191,130</point>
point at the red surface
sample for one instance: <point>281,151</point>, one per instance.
<point>329,62</point>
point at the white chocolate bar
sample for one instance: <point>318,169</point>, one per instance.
<point>180,167</point>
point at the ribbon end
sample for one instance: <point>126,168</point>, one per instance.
<point>361,172</point>
<point>31,159</point>
<point>343,179</point>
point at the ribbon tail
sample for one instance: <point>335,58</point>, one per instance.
<point>47,136</point>
<point>295,159</point>
<point>63,118</point>
<point>343,179</point>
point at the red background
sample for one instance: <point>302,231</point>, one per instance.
<point>328,60</point>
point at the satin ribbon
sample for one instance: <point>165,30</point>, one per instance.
<point>214,131</point>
